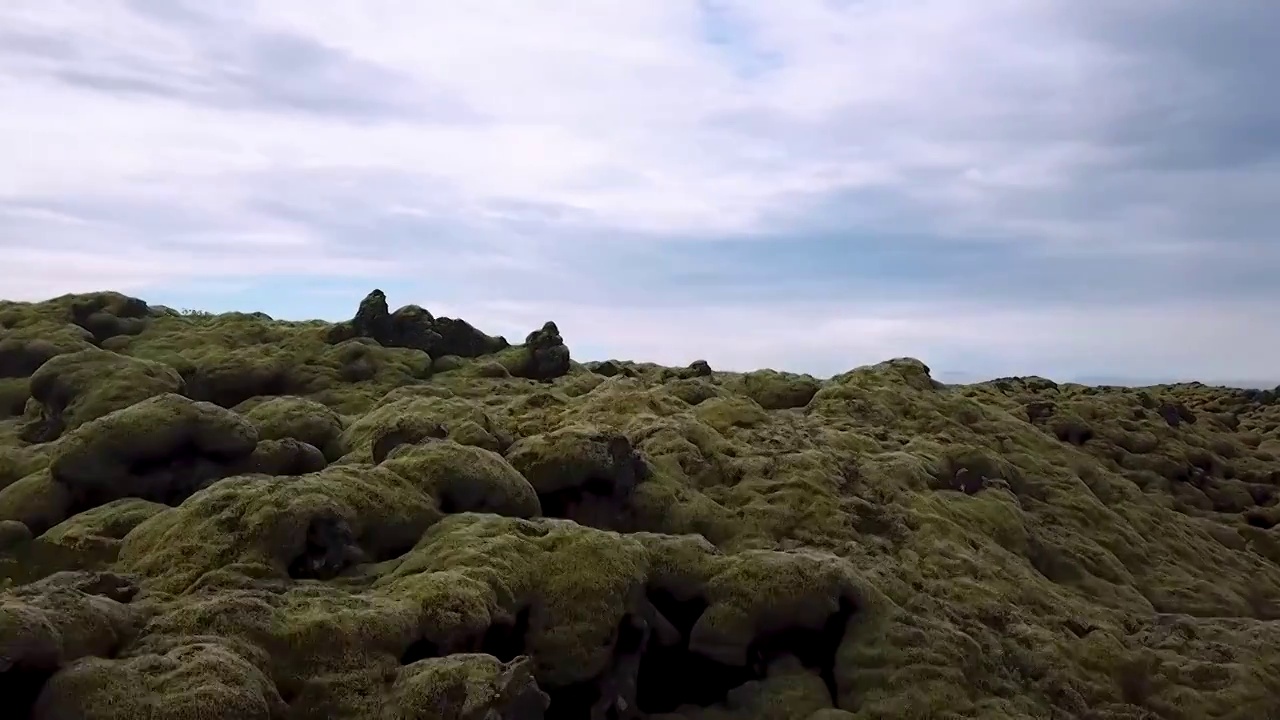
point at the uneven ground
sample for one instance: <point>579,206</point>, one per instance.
<point>230,517</point>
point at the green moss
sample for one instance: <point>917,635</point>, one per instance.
<point>36,500</point>
<point>14,394</point>
<point>200,680</point>
<point>407,418</point>
<point>342,515</point>
<point>101,529</point>
<point>298,418</point>
<point>17,462</point>
<point>74,388</point>
<point>573,456</point>
<point>448,363</point>
<point>464,478</point>
<point>774,390</point>
<point>580,583</point>
<point>162,449</point>
<point>725,413</point>
<point>310,520</point>
<point>66,616</point>
<point>466,686</point>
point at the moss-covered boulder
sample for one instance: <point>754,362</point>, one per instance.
<point>13,534</point>
<point>109,314</point>
<point>17,462</point>
<point>231,359</point>
<point>465,478</point>
<point>605,368</point>
<point>37,500</point>
<point>448,363</point>
<point>14,395</point>
<point>230,377</point>
<point>281,457</point>
<point>774,390</point>
<point>699,368</point>
<point>695,391</point>
<point>361,360</point>
<point>202,679</point>
<point>71,389</point>
<point>542,357</point>
<point>490,369</point>
<point>311,526</point>
<point>100,530</point>
<point>412,326</point>
<point>467,686</point>
<point>162,449</point>
<point>402,418</point>
<point>301,419</point>
<point>566,597</point>
<point>21,356</point>
<point>458,337</point>
<point>725,413</point>
<point>49,624</point>
<point>581,472</point>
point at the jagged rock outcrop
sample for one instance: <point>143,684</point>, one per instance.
<point>544,356</point>
<point>413,327</point>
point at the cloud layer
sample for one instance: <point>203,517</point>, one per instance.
<point>995,186</point>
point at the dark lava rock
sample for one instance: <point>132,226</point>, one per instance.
<point>107,315</point>
<point>413,327</point>
<point>607,368</point>
<point>548,357</point>
<point>699,368</point>
<point>1176,413</point>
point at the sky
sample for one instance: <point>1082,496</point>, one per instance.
<point>1086,189</point>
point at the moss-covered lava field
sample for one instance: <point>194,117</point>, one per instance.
<point>230,517</point>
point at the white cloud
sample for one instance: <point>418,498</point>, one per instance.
<point>1150,340</point>
<point>513,147</point>
<point>571,95</point>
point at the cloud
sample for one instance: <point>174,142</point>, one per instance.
<point>997,186</point>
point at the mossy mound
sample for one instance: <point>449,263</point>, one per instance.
<point>400,516</point>
<point>403,417</point>
<point>100,530</point>
<point>300,419</point>
<point>584,473</point>
<point>71,389</point>
<point>37,500</point>
<point>308,526</point>
<point>464,478</point>
<point>162,449</point>
<point>51,624</point>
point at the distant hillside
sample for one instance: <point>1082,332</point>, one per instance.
<point>963,377</point>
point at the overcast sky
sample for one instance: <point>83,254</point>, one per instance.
<point>996,187</point>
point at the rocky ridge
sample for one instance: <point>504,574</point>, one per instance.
<point>399,516</point>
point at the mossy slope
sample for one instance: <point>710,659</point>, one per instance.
<point>400,516</point>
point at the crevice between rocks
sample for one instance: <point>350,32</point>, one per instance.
<point>20,686</point>
<point>653,670</point>
<point>672,675</point>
